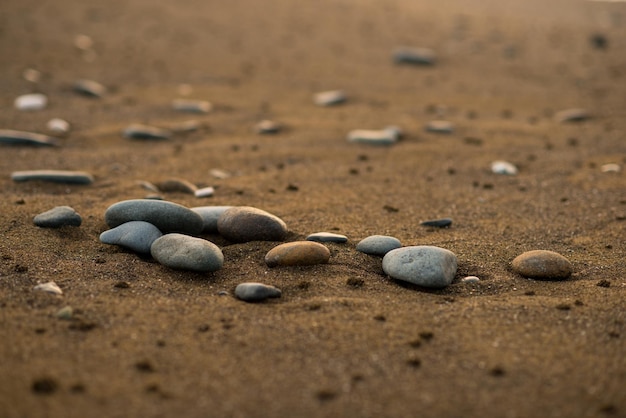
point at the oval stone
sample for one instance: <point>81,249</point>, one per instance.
<point>58,217</point>
<point>256,292</point>
<point>182,252</point>
<point>210,215</point>
<point>166,216</point>
<point>137,236</point>
<point>244,224</point>
<point>298,253</point>
<point>542,264</point>
<point>423,265</point>
<point>378,245</point>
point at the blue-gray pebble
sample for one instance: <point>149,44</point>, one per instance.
<point>327,237</point>
<point>424,265</point>
<point>58,217</point>
<point>183,252</point>
<point>378,245</point>
<point>256,292</point>
<point>137,236</point>
<point>210,215</point>
<point>167,216</point>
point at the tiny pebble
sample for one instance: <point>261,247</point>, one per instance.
<point>65,313</point>
<point>183,252</point>
<point>244,224</point>
<point>415,56</point>
<point>503,167</point>
<point>219,174</point>
<point>11,137</point>
<point>267,127</point>
<point>297,253</point>
<point>166,216</point>
<point>373,137</point>
<point>58,126</point>
<point>205,192</point>
<point>611,168</point>
<point>83,42</point>
<point>50,287</point>
<point>438,223</point>
<point>470,279</point>
<point>210,215</point>
<point>138,131</point>
<point>329,98</point>
<point>58,217</point>
<point>327,237</point>
<point>137,236</point>
<point>34,101</point>
<point>89,88</point>
<point>440,127</point>
<point>31,75</point>
<point>192,106</point>
<point>425,265</point>
<point>378,245</point>
<point>55,176</point>
<point>256,292</point>
<point>542,264</point>
<point>572,115</point>
<point>177,186</point>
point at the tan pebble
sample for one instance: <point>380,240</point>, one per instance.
<point>298,253</point>
<point>177,185</point>
<point>542,264</point>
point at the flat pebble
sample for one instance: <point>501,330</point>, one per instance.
<point>572,115</point>
<point>33,101</point>
<point>267,127</point>
<point>373,137</point>
<point>138,131</point>
<point>177,186</point>
<point>438,223</point>
<point>58,126</point>
<point>11,137</point>
<point>205,192</point>
<point>50,287</point>
<point>440,127</point>
<point>298,253</point>
<point>414,56</point>
<point>611,168</point>
<point>503,167</point>
<point>137,236</point>
<point>58,217</point>
<point>182,252</point>
<point>542,264</point>
<point>89,88</point>
<point>378,245</point>
<point>424,265</point>
<point>327,237</point>
<point>192,106</point>
<point>244,224</point>
<point>330,98</point>
<point>55,176</point>
<point>166,216</point>
<point>256,292</point>
<point>210,215</point>
<point>470,279</point>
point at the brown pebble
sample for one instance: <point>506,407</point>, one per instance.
<point>298,253</point>
<point>177,186</point>
<point>542,264</point>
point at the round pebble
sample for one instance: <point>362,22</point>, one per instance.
<point>378,245</point>
<point>267,127</point>
<point>210,215</point>
<point>425,265</point>
<point>298,253</point>
<point>542,264</point>
<point>166,216</point>
<point>58,217</point>
<point>244,224</point>
<point>182,252</point>
<point>327,237</point>
<point>177,186</point>
<point>137,236</point>
<point>256,292</point>
<point>34,101</point>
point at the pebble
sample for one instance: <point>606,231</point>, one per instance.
<point>470,279</point>
<point>256,292</point>
<point>137,236</point>
<point>58,217</point>
<point>210,215</point>
<point>50,287</point>
<point>572,115</point>
<point>33,101</point>
<point>298,253</point>
<point>83,42</point>
<point>58,126</point>
<point>440,127</point>
<point>31,75</point>
<point>177,186</point>
<point>11,137</point>
<point>205,192</point>
<point>192,106</point>
<point>55,176</point>
<point>89,88</point>
<point>138,131</point>
<point>415,56</point>
<point>378,245</point>
<point>244,223</point>
<point>503,167</point>
<point>182,252</point>
<point>611,168</point>
<point>267,127</point>
<point>438,223</point>
<point>327,237</point>
<point>425,265</point>
<point>373,137</point>
<point>330,98</point>
<point>219,174</point>
<point>166,216</point>
<point>65,312</point>
<point>542,264</point>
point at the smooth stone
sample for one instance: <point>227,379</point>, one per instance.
<point>395,130</point>
<point>329,98</point>
<point>256,292</point>
<point>298,253</point>
<point>50,287</point>
<point>611,168</point>
<point>267,127</point>
<point>327,237</point>
<point>205,192</point>
<point>373,137</point>
<point>470,279</point>
<point>138,131</point>
<point>438,223</point>
<point>378,245</point>
<point>177,186</point>
<point>58,126</point>
<point>89,88</point>
<point>542,264</point>
<point>58,217</point>
<point>148,186</point>
<point>572,115</point>
<point>65,313</point>
<point>83,42</point>
<point>55,176</point>
<point>503,167</point>
<point>414,56</point>
<point>31,75</point>
<point>30,102</point>
<point>11,137</point>
<point>182,252</point>
<point>210,215</point>
<point>424,265</point>
<point>166,216</point>
<point>137,236</point>
<point>440,127</point>
<point>192,106</point>
<point>244,224</point>
<point>219,174</point>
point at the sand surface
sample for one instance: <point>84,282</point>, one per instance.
<point>168,344</point>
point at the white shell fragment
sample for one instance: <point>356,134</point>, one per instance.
<point>192,106</point>
<point>58,126</point>
<point>50,287</point>
<point>90,88</point>
<point>503,167</point>
<point>29,102</point>
<point>415,56</point>
<point>373,137</point>
<point>330,98</point>
<point>205,192</point>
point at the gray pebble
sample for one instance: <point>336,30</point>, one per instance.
<point>298,253</point>
<point>55,176</point>
<point>415,56</point>
<point>89,88</point>
<point>137,236</point>
<point>11,137</point>
<point>210,215</point>
<point>330,98</point>
<point>470,279</point>
<point>378,245</point>
<point>438,223</point>
<point>256,292</point>
<point>58,217</point>
<point>166,216</point>
<point>138,131</point>
<point>30,102</point>
<point>542,264</point>
<point>373,137</point>
<point>572,115</point>
<point>327,237</point>
<point>244,224</point>
<point>425,265</point>
<point>182,252</point>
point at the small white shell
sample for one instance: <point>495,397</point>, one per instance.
<point>34,101</point>
<point>503,167</point>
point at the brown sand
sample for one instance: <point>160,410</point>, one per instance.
<point>169,345</point>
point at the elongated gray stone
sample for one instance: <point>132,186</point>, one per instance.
<point>210,215</point>
<point>55,176</point>
<point>327,237</point>
<point>414,56</point>
<point>182,252</point>
<point>58,217</point>
<point>138,131</point>
<point>256,292</point>
<point>166,216</point>
<point>378,245</point>
<point>424,265</point>
<point>437,223</point>
<point>244,224</point>
<point>137,236</point>
<point>11,137</point>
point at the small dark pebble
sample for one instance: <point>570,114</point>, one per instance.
<point>78,388</point>
<point>20,202</point>
<point>203,328</point>
<point>414,362</point>
<point>599,41</point>
<point>355,282</point>
<point>530,293</point>
<point>426,335</point>
<point>609,409</point>
<point>497,371</point>
<point>438,223</point>
<point>122,285</point>
<point>380,318</point>
<point>614,334</point>
<point>578,302</point>
<point>391,209</point>
<point>144,366</point>
<point>40,330</point>
<point>292,188</point>
<point>325,395</point>
<point>416,343</point>
<point>604,283</point>
<point>45,386</point>
<point>563,307</point>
